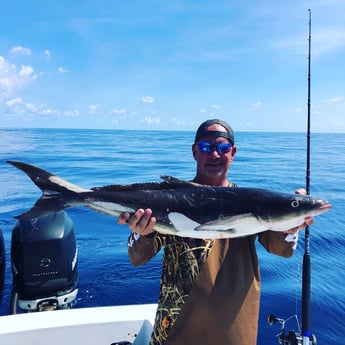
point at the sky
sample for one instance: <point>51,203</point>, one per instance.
<point>169,65</point>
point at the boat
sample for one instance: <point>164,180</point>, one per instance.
<point>118,325</point>
<point>44,264</point>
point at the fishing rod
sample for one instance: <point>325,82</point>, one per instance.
<point>305,337</point>
<point>306,334</point>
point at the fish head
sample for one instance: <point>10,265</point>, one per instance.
<point>284,212</point>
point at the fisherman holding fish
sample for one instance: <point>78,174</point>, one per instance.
<point>210,289</point>
<point>210,281</point>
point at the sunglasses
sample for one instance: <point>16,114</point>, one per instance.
<point>221,148</point>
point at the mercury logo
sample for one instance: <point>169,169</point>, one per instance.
<point>45,262</point>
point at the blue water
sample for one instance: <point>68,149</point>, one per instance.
<point>266,160</point>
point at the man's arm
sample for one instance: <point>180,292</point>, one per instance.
<point>143,242</point>
<point>142,248</point>
<point>279,243</point>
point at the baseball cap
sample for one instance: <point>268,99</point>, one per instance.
<point>203,132</point>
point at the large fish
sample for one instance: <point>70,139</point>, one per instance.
<point>182,208</point>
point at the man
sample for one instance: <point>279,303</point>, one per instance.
<point>210,289</point>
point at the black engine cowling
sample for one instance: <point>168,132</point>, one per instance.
<point>44,260</point>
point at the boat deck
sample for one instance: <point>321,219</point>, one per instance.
<point>84,326</point>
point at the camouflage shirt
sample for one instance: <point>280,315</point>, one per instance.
<point>210,289</point>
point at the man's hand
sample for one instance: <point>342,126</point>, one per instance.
<point>140,222</point>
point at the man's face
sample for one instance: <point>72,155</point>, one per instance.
<point>213,164</point>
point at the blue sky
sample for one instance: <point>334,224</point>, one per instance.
<point>153,64</point>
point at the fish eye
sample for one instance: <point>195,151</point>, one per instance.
<point>295,203</point>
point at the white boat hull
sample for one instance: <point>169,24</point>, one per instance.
<point>84,326</point>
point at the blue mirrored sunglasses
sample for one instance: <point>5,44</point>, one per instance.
<point>208,147</point>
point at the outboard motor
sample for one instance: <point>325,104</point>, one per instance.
<point>44,259</point>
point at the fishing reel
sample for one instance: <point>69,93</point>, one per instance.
<point>289,337</point>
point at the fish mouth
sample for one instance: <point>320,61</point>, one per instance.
<point>326,206</point>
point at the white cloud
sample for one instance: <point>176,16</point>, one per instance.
<point>93,109</point>
<point>49,112</point>
<point>338,99</point>
<point>256,105</point>
<point>17,107</point>
<point>13,79</point>
<point>32,108</point>
<point>47,54</point>
<point>179,123</point>
<point>62,70</point>
<point>149,120</point>
<point>147,99</point>
<point>118,111</point>
<point>72,113</point>
<point>21,50</point>
<point>328,41</point>
<point>12,102</point>
<point>27,72</point>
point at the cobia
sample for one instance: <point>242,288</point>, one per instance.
<point>181,208</point>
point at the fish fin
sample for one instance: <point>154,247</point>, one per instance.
<point>45,180</point>
<point>182,222</point>
<point>43,207</point>
<point>223,227</point>
<point>179,183</point>
<point>239,225</point>
<point>132,187</point>
<point>169,182</point>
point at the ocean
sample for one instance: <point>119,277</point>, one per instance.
<point>266,160</point>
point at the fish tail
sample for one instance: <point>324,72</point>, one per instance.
<point>56,192</point>
<point>44,206</point>
<point>46,181</point>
